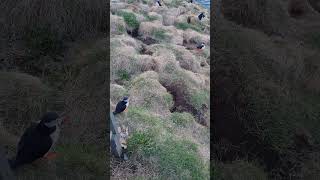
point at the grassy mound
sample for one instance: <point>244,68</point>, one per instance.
<point>24,99</point>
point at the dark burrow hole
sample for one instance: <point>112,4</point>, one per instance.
<point>145,51</point>
<point>134,33</point>
<point>147,40</point>
<point>181,105</point>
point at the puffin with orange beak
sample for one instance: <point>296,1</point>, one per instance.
<point>38,140</point>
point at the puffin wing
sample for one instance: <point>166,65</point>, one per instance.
<point>32,146</point>
<point>121,106</point>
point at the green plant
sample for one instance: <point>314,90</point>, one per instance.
<point>198,98</point>
<point>142,141</point>
<point>123,75</point>
<point>150,18</point>
<point>141,115</point>
<point>179,160</point>
<point>181,119</point>
<point>159,34</point>
<point>130,19</point>
<point>184,26</point>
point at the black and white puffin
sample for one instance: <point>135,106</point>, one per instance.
<point>158,2</point>
<point>201,15</point>
<point>122,105</point>
<point>37,141</point>
<point>201,46</point>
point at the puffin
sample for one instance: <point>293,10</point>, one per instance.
<point>201,15</point>
<point>38,140</point>
<point>158,2</point>
<point>122,105</point>
<point>201,46</point>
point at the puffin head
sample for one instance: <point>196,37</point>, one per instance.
<point>49,119</point>
<point>125,99</point>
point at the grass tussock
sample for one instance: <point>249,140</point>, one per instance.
<point>130,19</point>
<point>69,19</point>
<point>24,98</point>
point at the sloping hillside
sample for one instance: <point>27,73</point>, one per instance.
<point>53,59</point>
<point>266,79</point>
<point>154,60</point>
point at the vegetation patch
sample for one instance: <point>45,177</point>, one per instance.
<point>185,26</point>
<point>160,34</point>
<point>182,119</point>
<point>123,75</point>
<point>130,19</point>
<point>150,18</point>
<point>84,158</point>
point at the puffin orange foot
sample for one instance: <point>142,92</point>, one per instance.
<point>50,155</point>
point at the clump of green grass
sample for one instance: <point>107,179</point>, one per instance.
<point>181,119</point>
<point>184,26</point>
<point>176,159</point>
<point>159,34</point>
<point>179,160</point>
<point>175,3</point>
<point>142,142</point>
<point>198,98</point>
<point>130,19</point>
<point>150,18</point>
<point>123,75</point>
<point>143,116</point>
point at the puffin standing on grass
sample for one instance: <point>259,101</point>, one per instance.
<point>201,46</point>
<point>158,2</point>
<point>122,105</point>
<point>37,141</point>
<point>201,15</point>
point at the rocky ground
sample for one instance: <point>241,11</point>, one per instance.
<point>154,60</point>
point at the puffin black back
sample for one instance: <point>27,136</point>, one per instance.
<point>53,88</point>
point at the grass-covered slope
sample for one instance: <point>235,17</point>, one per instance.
<point>168,85</point>
<point>53,59</point>
<point>266,93</point>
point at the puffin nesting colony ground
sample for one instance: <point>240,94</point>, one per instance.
<point>155,61</point>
